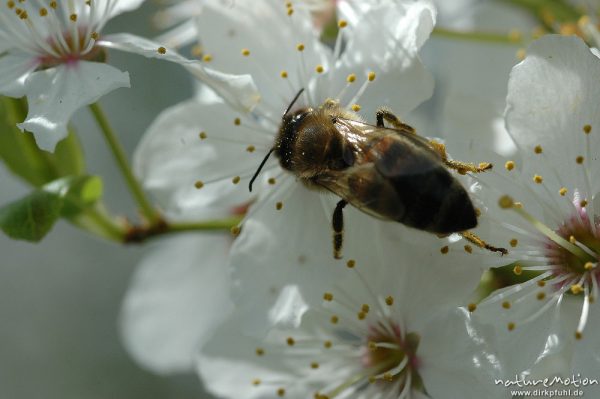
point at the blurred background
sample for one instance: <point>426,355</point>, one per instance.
<point>60,299</point>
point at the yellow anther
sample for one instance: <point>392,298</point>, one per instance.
<point>355,107</point>
<point>371,76</point>
<point>245,52</point>
<point>73,17</point>
<point>235,180</point>
<point>43,12</point>
<point>290,11</point>
<point>281,392</point>
<point>587,129</point>
<point>372,345</point>
<point>365,308</point>
<point>521,54</point>
<point>472,307</point>
<point>578,335</point>
<point>506,305</point>
<point>53,5</point>
<point>538,149</point>
<point>388,376</point>
<point>514,35</point>
<point>342,23</point>
<point>162,50</point>
<point>319,69</point>
<point>389,300</point>
<point>538,32</point>
<point>279,206</point>
<point>351,78</point>
<point>260,351</point>
<point>583,203</point>
<point>579,159</point>
<point>576,289</point>
<point>572,240</point>
<point>202,135</point>
<point>361,315</point>
<point>250,148</point>
<point>207,58</point>
<point>290,341</point>
<point>563,191</point>
<point>196,50</point>
<point>288,4</point>
<point>511,326</point>
<point>538,179</point>
<point>351,263</point>
<point>237,121</point>
<point>541,283</point>
<point>236,230</point>
<point>328,296</point>
<point>272,180</point>
<point>477,212</point>
<point>10,4</point>
<point>588,266</point>
<point>314,365</point>
<point>334,319</point>
<point>468,249</point>
<point>256,382</point>
<point>283,74</point>
<point>199,184</point>
<point>444,250</point>
<point>372,379</point>
<point>541,295</point>
<point>514,242</point>
<point>517,270</point>
<point>568,29</point>
<point>300,47</point>
<point>509,165</point>
<point>583,21</point>
<point>94,35</point>
<point>327,344</point>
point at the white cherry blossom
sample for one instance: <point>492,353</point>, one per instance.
<point>385,328</point>
<point>543,205</point>
<point>54,54</point>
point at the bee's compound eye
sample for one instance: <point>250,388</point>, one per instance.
<point>334,120</point>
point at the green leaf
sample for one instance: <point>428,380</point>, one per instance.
<point>21,155</point>
<point>32,217</point>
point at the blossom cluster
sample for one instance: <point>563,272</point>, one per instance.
<point>267,310</point>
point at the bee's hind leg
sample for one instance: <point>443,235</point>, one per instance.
<point>338,228</point>
<point>460,167</point>
<point>467,235</point>
<point>389,116</point>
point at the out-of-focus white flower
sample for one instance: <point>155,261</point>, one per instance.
<point>178,17</point>
<point>544,203</point>
<point>53,54</point>
<point>287,232</point>
<point>385,328</point>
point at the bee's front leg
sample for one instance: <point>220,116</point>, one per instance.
<point>338,228</point>
<point>471,237</point>
<point>389,116</point>
<point>460,167</point>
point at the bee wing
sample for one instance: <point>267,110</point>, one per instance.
<point>393,152</point>
<point>366,189</point>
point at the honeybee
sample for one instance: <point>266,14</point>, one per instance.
<point>390,173</point>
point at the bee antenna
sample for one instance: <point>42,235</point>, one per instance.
<point>293,102</point>
<point>264,161</point>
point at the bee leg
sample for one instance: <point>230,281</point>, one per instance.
<point>386,114</point>
<point>338,229</point>
<point>467,235</point>
<point>460,167</point>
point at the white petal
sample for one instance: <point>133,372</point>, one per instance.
<point>55,94</point>
<point>387,41</point>
<point>226,31</point>
<point>238,90</point>
<point>457,359</point>
<point>119,6</point>
<point>14,69</point>
<point>178,296</point>
<point>552,95</point>
<point>171,158</point>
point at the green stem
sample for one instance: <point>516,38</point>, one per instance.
<point>484,37</point>
<point>115,146</point>
<point>220,224</point>
<point>98,222</point>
